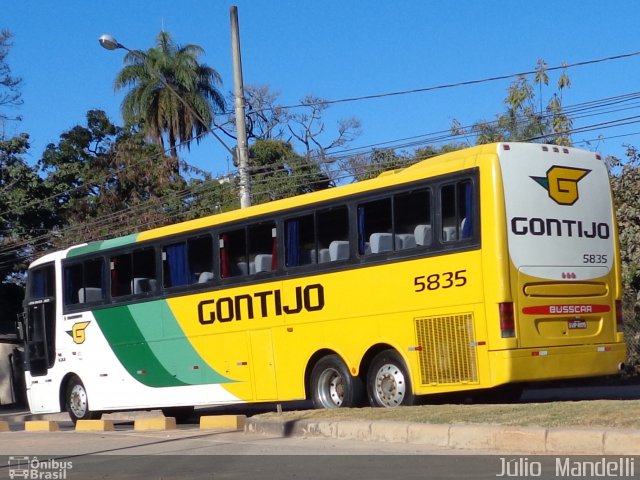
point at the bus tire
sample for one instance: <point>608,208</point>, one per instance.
<point>333,386</point>
<point>77,401</point>
<point>388,382</point>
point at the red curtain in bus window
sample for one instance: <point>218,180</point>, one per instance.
<point>115,291</point>
<point>224,256</point>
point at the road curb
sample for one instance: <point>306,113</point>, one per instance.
<point>530,440</point>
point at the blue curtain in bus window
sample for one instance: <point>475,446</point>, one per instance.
<point>293,243</point>
<point>69,289</point>
<point>467,229</point>
<point>361,231</point>
<point>178,267</point>
<point>38,283</point>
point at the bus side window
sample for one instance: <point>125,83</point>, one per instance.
<point>263,248</point>
<point>73,284</point>
<point>457,211</point>
<point>201,258</point>
<point>188,262</point>
<point>121,275</point>
<point>133,273</point>
<point>175,269</point>
<point>332,234</point>
<point>375,227</point>
<point>412,219</point>
<point>144,271</point>
<point>300,242</point>
<point>233,254</point>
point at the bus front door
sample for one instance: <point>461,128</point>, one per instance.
<point>40,334</point>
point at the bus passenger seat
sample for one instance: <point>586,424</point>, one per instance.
<point>449,234</point>
<point>381,242</point>
<point>405,241</point>
<point>323,255</point>
<point>143,285</point>
<point>205,277</point>
<point>89,294</point>
<point>263,262</point>
<point>339,250</point>
<point>422,235</point>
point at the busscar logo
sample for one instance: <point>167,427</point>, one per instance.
<point>562,183</point>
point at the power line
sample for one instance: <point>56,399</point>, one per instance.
<point>462,83</point>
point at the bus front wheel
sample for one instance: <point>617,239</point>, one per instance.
<point>77,402</point>
<point>388,382</point>
<point>332,386</point>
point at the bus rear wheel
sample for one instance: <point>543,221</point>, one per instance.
<point>388,382</point>
<point>332,386</point>
<point>77,402</point>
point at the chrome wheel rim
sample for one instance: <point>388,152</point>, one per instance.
<point>331,388</point>
<point>390,386</point>
<point>78,401</point>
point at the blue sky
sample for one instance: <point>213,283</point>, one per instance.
<point>333,49</point>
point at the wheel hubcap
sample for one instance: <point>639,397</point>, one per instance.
<point>78,401</point>
<point>390,387</point>
<point>331,388</point>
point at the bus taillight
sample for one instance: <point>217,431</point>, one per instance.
<point>619,316</point>
<point>507,322</point>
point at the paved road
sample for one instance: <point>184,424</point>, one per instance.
<point>191,453</point>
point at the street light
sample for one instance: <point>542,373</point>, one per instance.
<point>109,42</point>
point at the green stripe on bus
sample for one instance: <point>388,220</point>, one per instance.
<point>103,245</point>
<point>149,343</point>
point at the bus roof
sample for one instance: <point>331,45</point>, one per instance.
<point>459,159</point>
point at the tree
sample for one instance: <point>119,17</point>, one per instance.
<point>525,119</point>
<point>107,181</point>
<point>278,172</point>
<point>307,127</point>
<point>173,96</point>
<point>625,185</point>
<point>25,213</point>
<point>10,94</point>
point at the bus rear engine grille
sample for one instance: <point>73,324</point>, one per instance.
<point>448,354</point>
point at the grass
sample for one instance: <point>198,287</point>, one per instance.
<point>585,413</point>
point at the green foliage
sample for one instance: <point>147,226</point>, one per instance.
<point>625,184</point>
<point>108,181</point>
<point>25,212</point>
<point>278,172</point>
<point>524,120</point>
<point>10,94</point>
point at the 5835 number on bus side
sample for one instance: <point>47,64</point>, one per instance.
<point>437,281</point>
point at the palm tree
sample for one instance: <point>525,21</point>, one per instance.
<point>173,96</point>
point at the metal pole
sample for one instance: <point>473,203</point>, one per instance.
<point>241,128</point>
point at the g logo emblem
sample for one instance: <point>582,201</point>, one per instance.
<point>562,183</point>
<point>77,331</point>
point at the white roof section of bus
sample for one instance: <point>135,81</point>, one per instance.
<point>51,257</point>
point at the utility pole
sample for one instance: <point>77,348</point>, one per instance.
<point>241,128</point>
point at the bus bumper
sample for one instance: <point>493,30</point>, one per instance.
<point>556,363</point>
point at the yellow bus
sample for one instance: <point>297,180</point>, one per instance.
<point>488,266</point>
